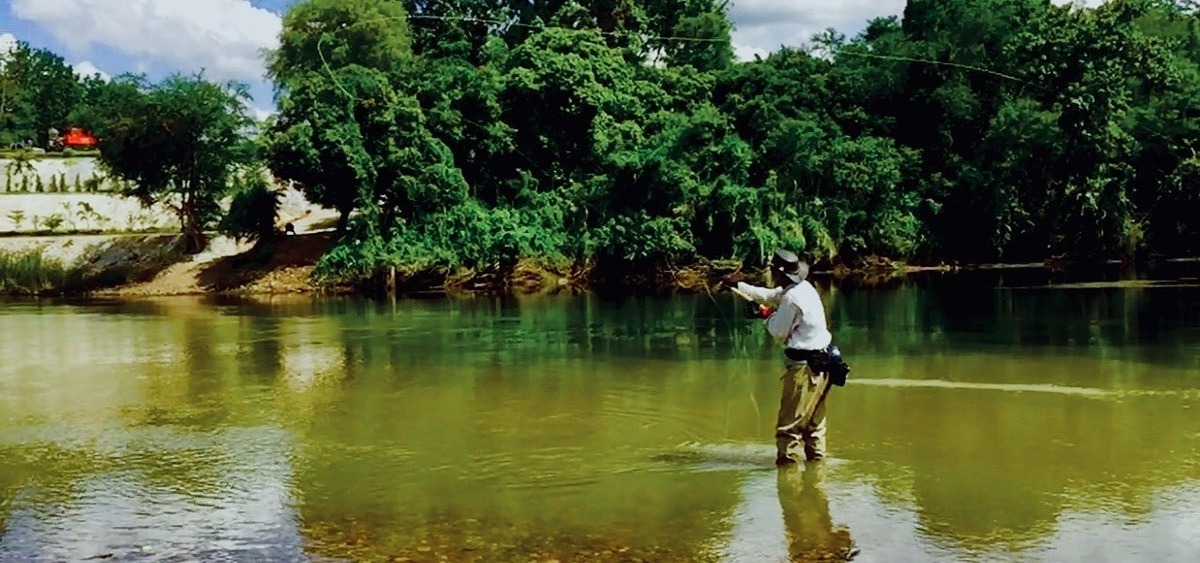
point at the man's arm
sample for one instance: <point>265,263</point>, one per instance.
<point>761,295</point>
<point>781,323</point>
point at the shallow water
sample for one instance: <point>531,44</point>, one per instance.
<point>1000,416</point>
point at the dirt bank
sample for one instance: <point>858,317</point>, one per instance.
<point>285,266</point>
<point>152,263</point>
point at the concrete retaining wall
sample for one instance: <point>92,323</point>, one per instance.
<point>75,173</point>
<point>25,213</point>
<point>88,210</point>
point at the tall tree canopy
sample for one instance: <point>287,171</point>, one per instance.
<point>179,142</point>
<point>37,91</point>
<point>625,130</point>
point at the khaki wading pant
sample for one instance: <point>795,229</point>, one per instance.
<point>801,413</point>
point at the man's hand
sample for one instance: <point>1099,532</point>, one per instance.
<point>758,311</point>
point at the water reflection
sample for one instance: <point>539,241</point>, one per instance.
<point>998,420</point>
<point>155,492</point>
<point>784,515</point>
<point>811,533</point>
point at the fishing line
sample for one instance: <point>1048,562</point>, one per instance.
<point>543,27</point>
<point>513,22</point>
<point>508,24</point>
<point>741,347</point>
<point>932,62</point>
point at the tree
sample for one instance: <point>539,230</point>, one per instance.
<point>37,91</point>
<point>320,36</point>
<point>350,133</point>
<point>688,32</point>
<point>253,208</point>
<point>703,41</point>
<point>1096,65</point>
<point>178,142</point>
<point>354,143</point>
<point>333,56</point>
<point>99,98</point>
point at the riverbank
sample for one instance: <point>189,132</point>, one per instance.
<point>114,258</point>
<point>107,244</point>
<point>155,265</point>
<point>151,264</point>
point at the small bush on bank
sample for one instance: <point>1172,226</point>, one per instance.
<point>31,272</point>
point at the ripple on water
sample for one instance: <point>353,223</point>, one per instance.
<point>556,471</point>
<point>728,456</point>
<point>648,410</point>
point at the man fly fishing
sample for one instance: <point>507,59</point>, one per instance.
<point>795,317</point>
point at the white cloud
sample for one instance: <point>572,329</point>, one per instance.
<point>86,69</point>
<point>763,26</point>
<point>8,42</point>
<point>225,37</point>
<point>747,52</point>
<point>261,114</point>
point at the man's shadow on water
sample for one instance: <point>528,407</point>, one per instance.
<point>811,534</point>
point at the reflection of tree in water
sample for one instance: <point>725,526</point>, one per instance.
<point>260,351</point>
<point>940,314</point>
<point>990,470</point>
<point>811,533</point>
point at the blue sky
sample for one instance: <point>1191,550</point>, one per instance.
<point>226,37</point>
<point>157,37</point>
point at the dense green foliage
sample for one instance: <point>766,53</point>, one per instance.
<point>623,132</point>
<point>253,208</point>
<point>40,91</point>
<point>476,133</point>
<point>180,142</point>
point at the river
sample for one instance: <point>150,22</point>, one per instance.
<point>996,416</point>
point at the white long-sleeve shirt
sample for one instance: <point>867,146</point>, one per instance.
<point>798,317</point>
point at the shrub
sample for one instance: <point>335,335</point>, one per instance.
<point>31,272</point>
<point>253,209</point>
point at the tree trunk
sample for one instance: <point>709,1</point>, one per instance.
<point>194,242</point>
<point>343,221</point>
<point>387,221</point>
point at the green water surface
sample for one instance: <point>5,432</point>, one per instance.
<point>986,418</point>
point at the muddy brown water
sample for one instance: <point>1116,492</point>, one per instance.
<point>1000,416</point>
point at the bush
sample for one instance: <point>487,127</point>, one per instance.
<point>30,272</point>
<point>253,209</point>
<point>470,235</point>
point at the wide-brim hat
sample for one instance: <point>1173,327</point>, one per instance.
<point>786,262</point>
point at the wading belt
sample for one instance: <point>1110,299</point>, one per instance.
<point>802,355</point>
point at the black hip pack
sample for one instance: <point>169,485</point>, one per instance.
<point>828,361</point>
